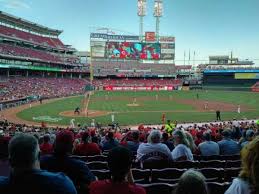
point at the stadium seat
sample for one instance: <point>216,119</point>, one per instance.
<point>233,163</point>
<point>167,175</point>
<point>213,174</point>
<point>230,157</point>
<point>102,174</point>
<point>141,176</point>
<point>83,158</point>
<point>231,173</point>
<point>155,164</point>
<point>100,158</point>
<point>212,164</point>
<point>217,188</point>
<point>185,164</point>
<point>96,165</point>
<point>158,188</point>
<point>213,157</point>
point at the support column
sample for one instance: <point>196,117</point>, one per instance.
<point>7,73</point>
<point>56,75</point>
<point>27,73</point>
<point>62,75</point>
<point>71,75</point>
<point>43,74</point>
<point>80,76</point>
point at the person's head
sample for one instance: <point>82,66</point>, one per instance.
<point>64,143</point>
<point>250,134</point>
<point>110,135</point>
<point>119,163</point>
<point>250,163</point>
<point>85,137</point>
<point>46,138</point>
<point>191,181</point>
<point>180,138</point>
<point>226,133</point>
<point>207,136</point>
<point>24,152</point>
<point>135,136</point>
<point>154,137</point>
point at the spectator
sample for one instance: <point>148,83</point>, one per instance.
<point>153,149</point>
<point>249,137</point>
<point>46,147</point>
<point>87,148</point>
<point>111,142</point>
<point>165,140</point>
<point>119,162</point>
<point>192,145</point>
<point>181,150</point>
<point>134,144</point>
<point>227,146</point>
<point>208,147</point>
<point>61,161</point>
<point>191,182</point>
<point>26,176</point>
<point>248,180</point>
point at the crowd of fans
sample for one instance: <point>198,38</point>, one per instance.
<point>136,82</point>
<point>47,160</point>
<point>21,87</point>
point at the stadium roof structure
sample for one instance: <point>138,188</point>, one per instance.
<point>25,24</point>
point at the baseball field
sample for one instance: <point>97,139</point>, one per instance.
<point>131,108</point>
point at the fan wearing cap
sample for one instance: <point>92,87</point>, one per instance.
<point>249,137</point>
<point>61,161</point>
<point>87,148</point>
<point>121,182</point>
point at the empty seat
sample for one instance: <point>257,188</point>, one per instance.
<point>213,174</point>
<point>158,188</point>
<point>217,188</point>
<point>233,164</point>
<point>212,157</point>
<point>155,164</point>
<point>141,175</point>
<point>167,175</point>
<point>102,174</point>
<point>230,157</point>
<point>185,164</point>
<point>231,173</point>
<point>83,158</point>
<point>212,164</point>
<point>96,165</point>
<point>101,158</point>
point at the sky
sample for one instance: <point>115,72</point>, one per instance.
<point>208,27</point>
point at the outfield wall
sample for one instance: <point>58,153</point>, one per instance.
<point>138,88</point>
<point>237,80</point>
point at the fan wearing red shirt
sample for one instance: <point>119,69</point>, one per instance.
<point>46,147</point>
<point>87,148</point>
<point>119,162</point>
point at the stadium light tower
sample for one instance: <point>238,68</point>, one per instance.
<point>158,13</point>
<point>142,11</point>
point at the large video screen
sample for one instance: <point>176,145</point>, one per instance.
<point>133,50</point>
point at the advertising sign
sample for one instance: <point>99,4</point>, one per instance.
<point>150,36</point>
<point>138,88</point>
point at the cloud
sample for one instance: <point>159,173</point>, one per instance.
<point>15,4</point>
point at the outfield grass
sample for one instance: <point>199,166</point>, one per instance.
<point>126,115</point>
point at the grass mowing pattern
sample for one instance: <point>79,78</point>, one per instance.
<point>127,117</point>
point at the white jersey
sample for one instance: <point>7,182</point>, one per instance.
<point>153,151</point>
<point>72,124</point>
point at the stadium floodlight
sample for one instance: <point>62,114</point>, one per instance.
<point>158,12</point>
<point>142,7</point>
<point>158,8</point>
<point>142,11</point>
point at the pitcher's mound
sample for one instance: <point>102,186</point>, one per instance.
<point>90,113</point>
<point>133,105</point>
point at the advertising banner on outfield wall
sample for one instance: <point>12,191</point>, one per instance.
<point>138,88</point>
<point>246,75</point>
